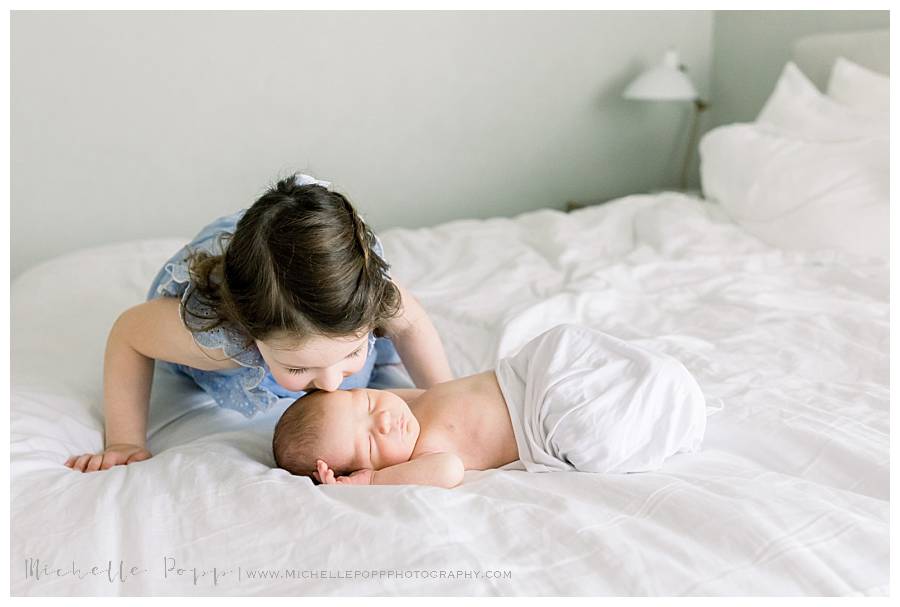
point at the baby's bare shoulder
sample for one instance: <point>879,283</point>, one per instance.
<point>433,439</point>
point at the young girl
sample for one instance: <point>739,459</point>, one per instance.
<point>278,299</point>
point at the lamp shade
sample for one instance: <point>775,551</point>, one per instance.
<point>665,82</point>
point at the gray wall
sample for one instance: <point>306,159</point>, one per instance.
<point>129,125</point>
<point>751,47</point>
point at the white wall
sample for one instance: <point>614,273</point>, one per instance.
<point>129,125</point>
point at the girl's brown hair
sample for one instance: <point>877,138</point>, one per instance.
<point>300,262</point>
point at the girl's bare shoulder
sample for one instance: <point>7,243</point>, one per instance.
<point>155,329</point>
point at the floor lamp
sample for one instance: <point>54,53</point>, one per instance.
<point>669,81</point>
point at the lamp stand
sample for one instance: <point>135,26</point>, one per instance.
<point>699,106</point>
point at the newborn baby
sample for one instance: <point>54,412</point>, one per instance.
<point>571,399</point>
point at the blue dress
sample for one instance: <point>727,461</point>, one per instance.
<point>251,388</point>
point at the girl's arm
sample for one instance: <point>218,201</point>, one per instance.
<point>152,330</point>
<point>418,343</point>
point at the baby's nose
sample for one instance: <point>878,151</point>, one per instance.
<point>384,422</point>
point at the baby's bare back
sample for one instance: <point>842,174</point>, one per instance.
<point>468,417</point>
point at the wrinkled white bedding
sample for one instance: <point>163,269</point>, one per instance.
<point>789,495</point>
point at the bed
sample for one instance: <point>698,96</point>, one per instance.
<point>788,496</point>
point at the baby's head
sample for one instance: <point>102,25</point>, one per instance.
<point>347,429</point>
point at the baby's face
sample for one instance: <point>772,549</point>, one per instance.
<point>367,429</point>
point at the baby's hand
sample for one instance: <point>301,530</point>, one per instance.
<point>113,455</point>
<point>325,475</point>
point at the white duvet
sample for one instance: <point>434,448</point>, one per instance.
<point>788,496</point>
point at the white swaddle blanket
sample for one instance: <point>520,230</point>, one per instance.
<point>583,400</point>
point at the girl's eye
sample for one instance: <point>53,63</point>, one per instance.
<point>303,370</point>
<point>370,447</point>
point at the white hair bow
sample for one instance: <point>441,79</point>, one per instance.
<point>301,179</point>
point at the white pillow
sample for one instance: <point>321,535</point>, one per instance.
<point>798,194</point>
<point>797,108</point>
<point>859,88</point>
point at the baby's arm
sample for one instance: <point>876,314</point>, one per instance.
<point>438,469</point>
<point>152,330</point>
<point>418,343</point>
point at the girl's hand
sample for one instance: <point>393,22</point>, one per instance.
<point>325,475</point>
<point>113,455</point>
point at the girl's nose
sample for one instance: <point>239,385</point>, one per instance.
<point>328,380</point>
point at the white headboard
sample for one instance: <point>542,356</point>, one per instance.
<point>816,54</point>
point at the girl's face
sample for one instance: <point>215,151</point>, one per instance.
<point>317,363</point>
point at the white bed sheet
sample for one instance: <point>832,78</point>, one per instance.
<point>789,495</point>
